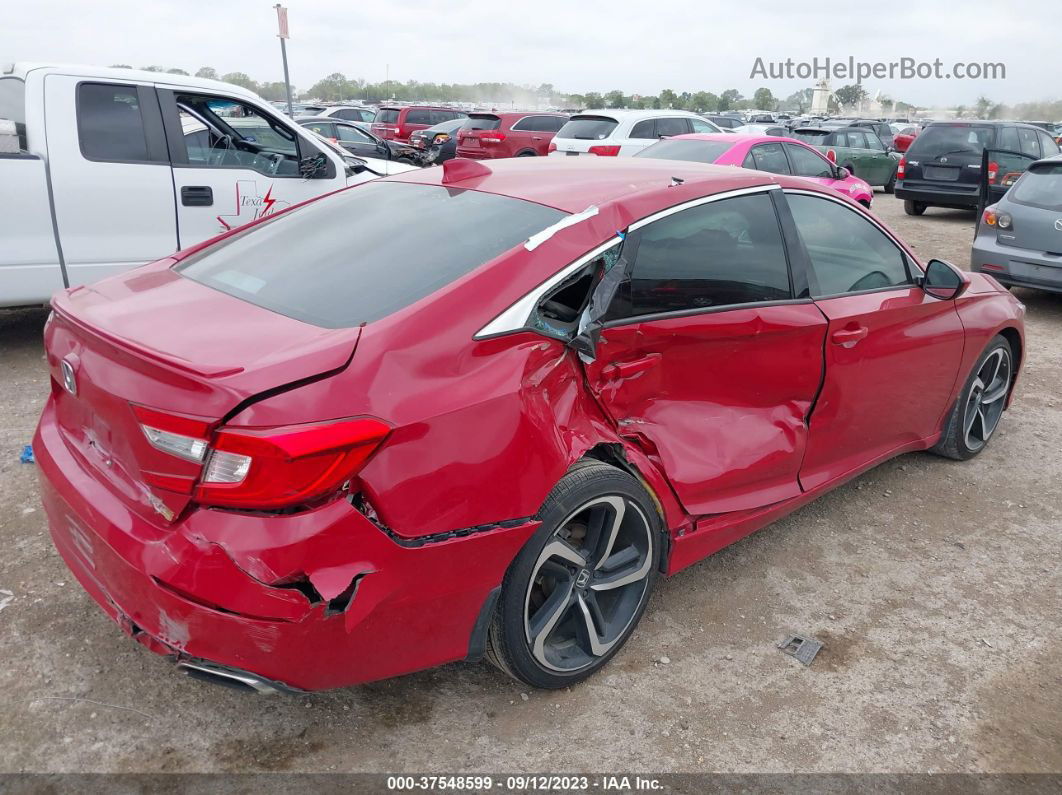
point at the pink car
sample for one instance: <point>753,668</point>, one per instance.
<point>762,153</point>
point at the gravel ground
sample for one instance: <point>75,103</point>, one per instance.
<point>934,585</point>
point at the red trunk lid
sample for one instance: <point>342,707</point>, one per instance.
<point>153,338</point>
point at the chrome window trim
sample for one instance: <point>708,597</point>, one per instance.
<point>516,316</point>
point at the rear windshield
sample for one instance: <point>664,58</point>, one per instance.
<point>810,136</point>
<point>1040,187</point>
<point>386,116</point>
<point>695,151</point>
<point>482,122</point>
<point>953,139</point>
<point>370,251</point>
<point>588,128</point>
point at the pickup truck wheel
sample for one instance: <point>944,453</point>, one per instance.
<point>914,208</point>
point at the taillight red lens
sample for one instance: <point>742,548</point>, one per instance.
<point>277,467</point>
<point>901,168</point>
<point>491,137</point>
<point>604,151</point>
<point>989,217</point>
<point>993,172</point>
<point>260,468</point>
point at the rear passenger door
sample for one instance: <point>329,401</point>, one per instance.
<point>710,358</point>
<point>892,352</point>
<point>533,134</point>
<point>110,176</point>
<point>767,157</point>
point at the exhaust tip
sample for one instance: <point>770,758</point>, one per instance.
<point>230,677</point>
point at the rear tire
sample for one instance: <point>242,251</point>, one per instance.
<point>975,416</point>
<point>914,208</point>
<point>576,591</point>
<point>890,186</point>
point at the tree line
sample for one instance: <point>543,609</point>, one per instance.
<point>336,87</point>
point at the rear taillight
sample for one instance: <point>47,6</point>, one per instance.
<point>604,151</point>
<point>184,437</point>
<point>441,138</point>
<point>901,168</point>
<point>262,468</point>
<point>491,137</point>
<point>552,147</point>
<point>993,172</point>
<point>992,217</point>
<point>275,467</point>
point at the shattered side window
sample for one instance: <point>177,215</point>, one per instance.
<point>558,314</point>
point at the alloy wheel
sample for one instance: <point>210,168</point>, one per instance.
<point>588,583</point>
<point>984,405</point>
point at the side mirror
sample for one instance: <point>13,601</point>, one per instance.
<point>843,173</point>
<point>384,150</point>
<point>944,281</point>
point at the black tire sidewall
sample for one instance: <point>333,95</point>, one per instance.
<point>955,443</point>
<point>579,486</point>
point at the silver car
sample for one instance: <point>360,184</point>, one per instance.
<point>1019,238</point>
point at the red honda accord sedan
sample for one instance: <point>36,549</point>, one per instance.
<point>478,410</point>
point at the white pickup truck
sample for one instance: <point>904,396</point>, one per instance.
<point>110,168</point>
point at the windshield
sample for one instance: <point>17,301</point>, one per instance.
<point>958,139</point>
<point>695,151</point>
<point>1040,187</point>
<point>588,128</point>
<point>365,253</point>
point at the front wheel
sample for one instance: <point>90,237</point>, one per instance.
<point>914,208</point>
<point>979,408</point>
<point>576,591</point>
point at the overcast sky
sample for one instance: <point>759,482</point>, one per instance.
<point>634,45</point>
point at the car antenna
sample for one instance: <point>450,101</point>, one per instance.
<point>459,169</point>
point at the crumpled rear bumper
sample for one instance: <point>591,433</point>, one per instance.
<point>313,600</point>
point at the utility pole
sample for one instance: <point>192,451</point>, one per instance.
<point>282,34</point>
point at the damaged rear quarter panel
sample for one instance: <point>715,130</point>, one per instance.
<point>483,429</point>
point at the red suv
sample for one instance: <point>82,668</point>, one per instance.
<point>493,135</point>
<point>396,124</point>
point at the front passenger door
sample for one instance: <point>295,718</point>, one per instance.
<point>892,351</point>
<point>708,359</point>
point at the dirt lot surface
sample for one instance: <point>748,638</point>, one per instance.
<point>935,586</point>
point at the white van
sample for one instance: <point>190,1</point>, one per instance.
<point>112,168</point>
<point>611,133</point>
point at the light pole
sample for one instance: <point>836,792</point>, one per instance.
<point>282,34</point>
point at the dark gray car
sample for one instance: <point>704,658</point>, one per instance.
<point>1019,238</point>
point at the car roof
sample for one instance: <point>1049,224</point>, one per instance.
<point>22,69</point>
<point>574,184</point>
<point>625,114</point>
<point>419,107</point>
<point>512,114</point>
<point>736,138</point>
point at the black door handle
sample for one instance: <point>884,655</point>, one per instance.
<point>197,196</point>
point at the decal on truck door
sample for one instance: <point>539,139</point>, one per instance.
<point>250,205</point>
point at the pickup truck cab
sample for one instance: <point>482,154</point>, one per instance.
<point>113,168</point>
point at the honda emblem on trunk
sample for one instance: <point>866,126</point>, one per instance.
<point>69,378</point>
